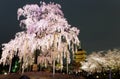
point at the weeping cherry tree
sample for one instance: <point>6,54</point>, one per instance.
<point>45,29</point>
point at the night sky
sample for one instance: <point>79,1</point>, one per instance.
<point>98,21</point>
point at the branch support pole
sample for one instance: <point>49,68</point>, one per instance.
<point>10,66</point>
<point>54,67</point>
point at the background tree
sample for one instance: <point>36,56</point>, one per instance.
<point>102,61</point>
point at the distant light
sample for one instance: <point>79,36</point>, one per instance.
<point>97,76</point>
<point>114,74</point>
<point>5,73</point>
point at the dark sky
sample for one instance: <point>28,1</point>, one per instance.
<point>98,21</point>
